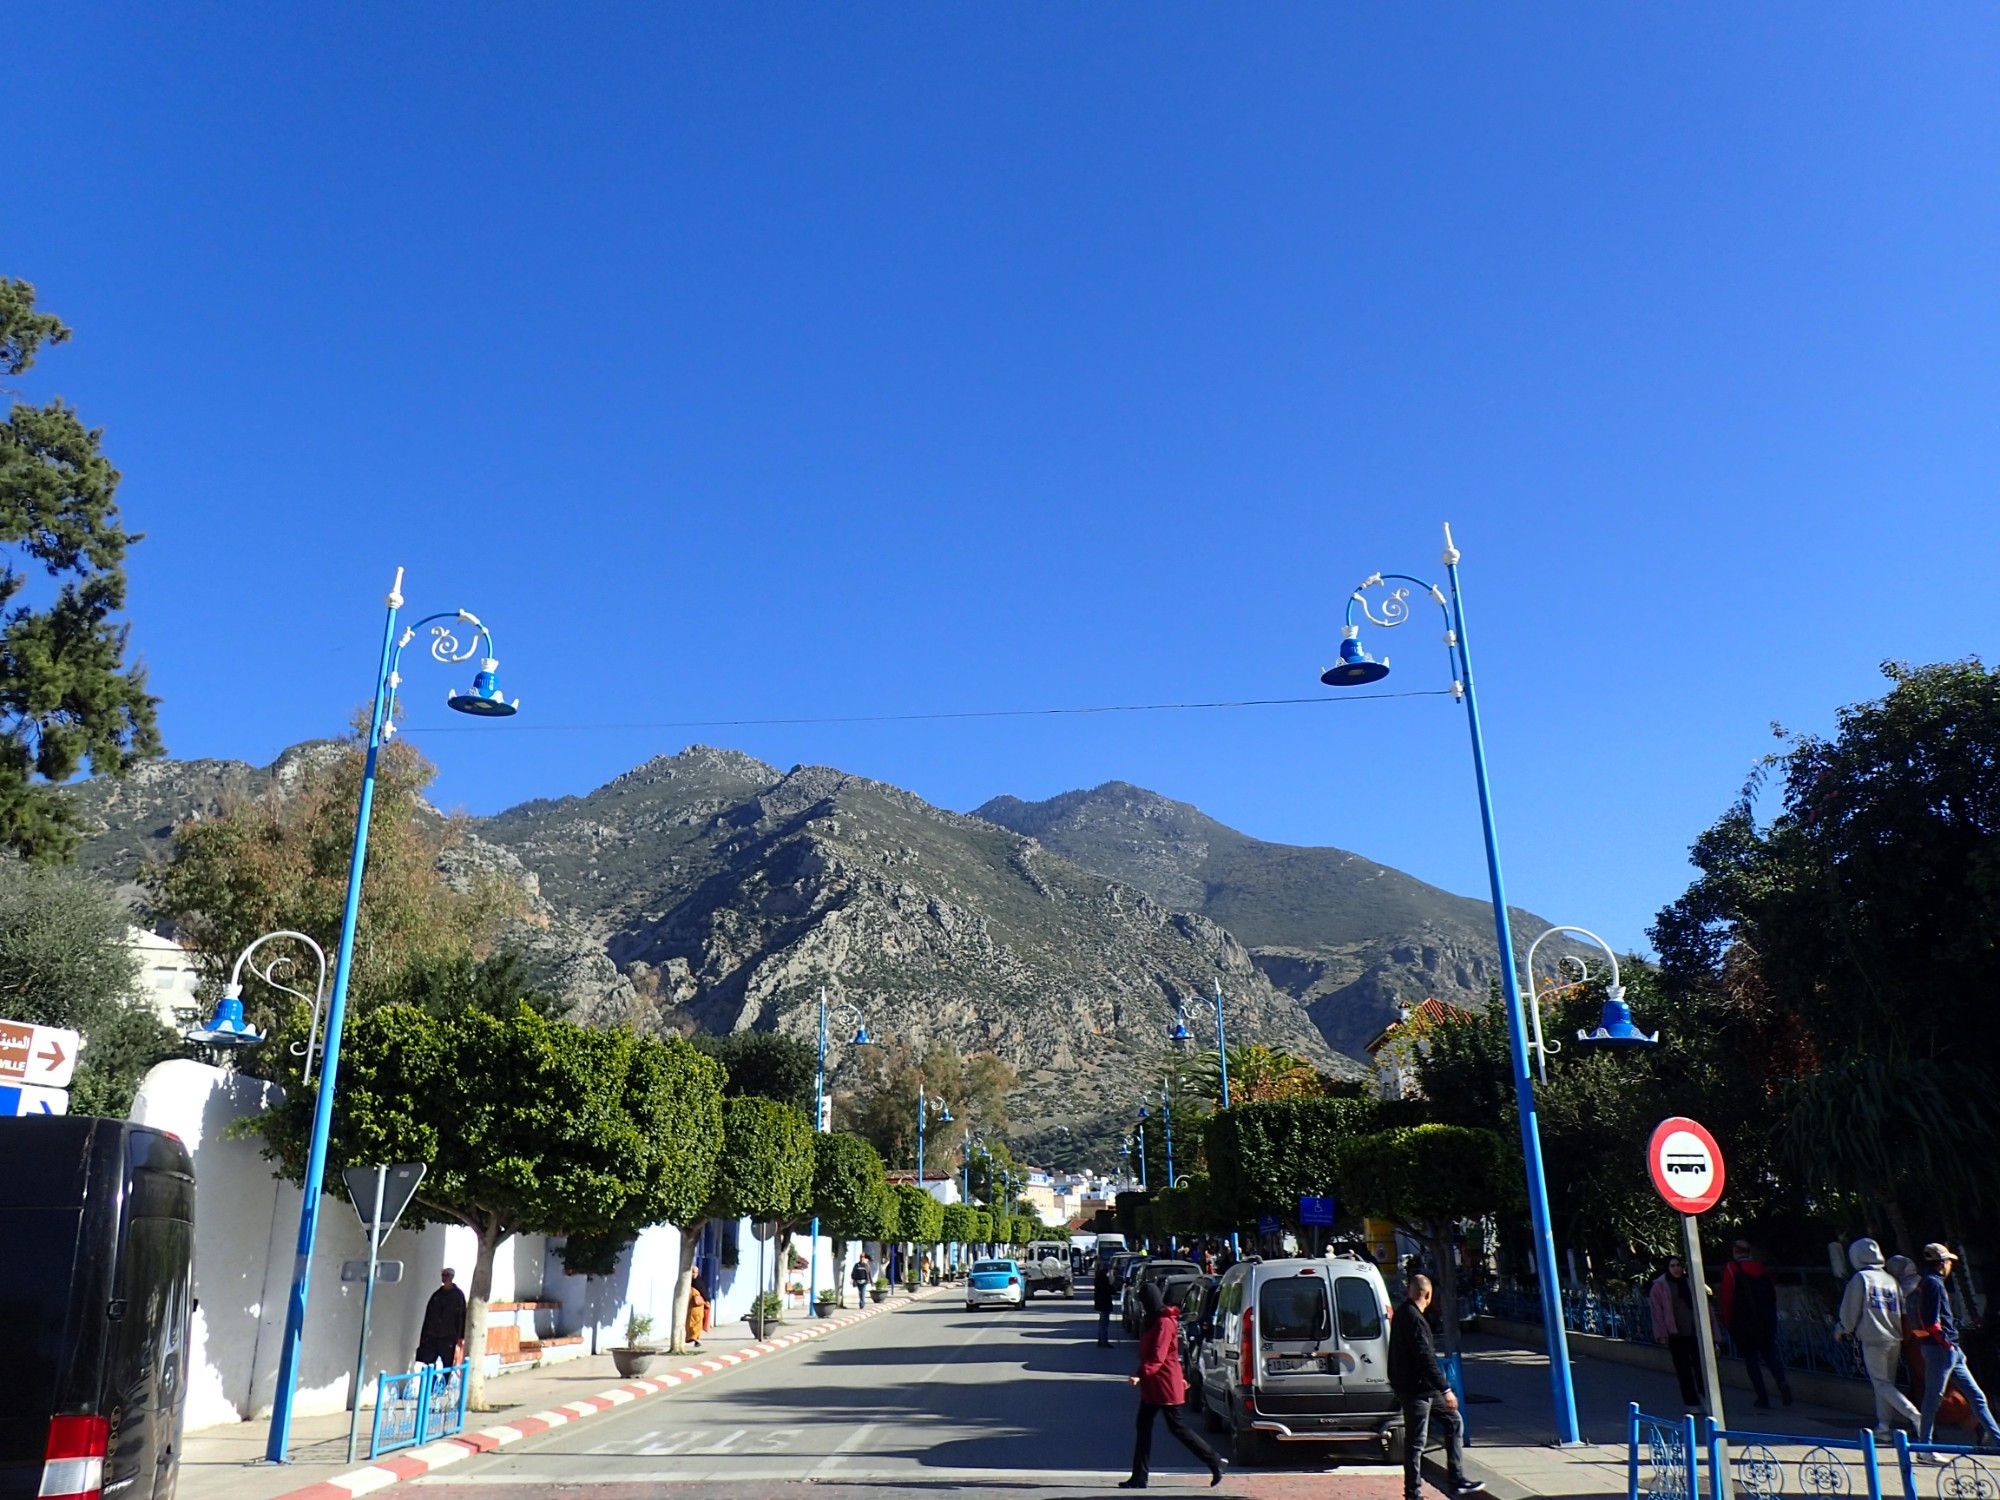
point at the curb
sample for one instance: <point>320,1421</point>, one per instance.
<point>428,1459</point>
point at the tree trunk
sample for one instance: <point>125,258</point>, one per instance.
<point>839,1270</point>
<point>491,1235</point>
<point>684,1283</point>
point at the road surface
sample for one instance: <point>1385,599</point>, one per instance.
<point>929,1398</point>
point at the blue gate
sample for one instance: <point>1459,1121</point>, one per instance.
<point>1824,1471</point>
<point>1670,1457</point>
<point>1957,1472</point>
<point>414,1408</point>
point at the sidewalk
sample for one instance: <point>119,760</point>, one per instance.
<point>227,1462</point>
<point>1509,1413</point>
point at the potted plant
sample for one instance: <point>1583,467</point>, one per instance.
<point>824,1302</point>
<point>911,1281</point>
<point>765,1313</point>
<point>637,1355</point>
<point>880,1291</point>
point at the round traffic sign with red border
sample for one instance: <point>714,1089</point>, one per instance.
<point>1686,1165</point>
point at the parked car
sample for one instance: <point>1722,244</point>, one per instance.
<point>1298,1351</point>
<point>1150,1270</point>
<point>1046,1267</point>
<point>995,1283</point>
<point>1194,1296</point>
<point>1119,1266</point>
<point>96,1255</point>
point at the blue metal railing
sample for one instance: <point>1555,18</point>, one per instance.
<point>1670,1457</point>
<point>1759,1473</point>
<point>1961,1476</point>
<point>1803,1343</point>
<point>416,1407</point>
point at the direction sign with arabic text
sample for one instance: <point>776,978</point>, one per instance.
<point>44,1056</point>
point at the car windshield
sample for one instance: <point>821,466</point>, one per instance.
<point>1293,1307</point>
<point>992,1267</point>
<point>1155,1269</point>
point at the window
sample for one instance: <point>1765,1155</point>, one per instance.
<point>1360,1312</point>
<point>1293,1307</point>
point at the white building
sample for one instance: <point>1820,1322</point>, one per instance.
<point>167,978</point>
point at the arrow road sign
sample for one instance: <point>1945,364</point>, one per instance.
<point>41,1055</point>
<point>397,1191</point>
<point>21,1099</point>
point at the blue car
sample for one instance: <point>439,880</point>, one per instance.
<point>994,1283</point>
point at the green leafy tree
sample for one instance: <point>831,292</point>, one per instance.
<point>66,693</point>
<point>765,1064</point>
<point>1263,1158</point>
<point>1427,1178</point>
<point>529,1126</point>
<point>961,1224</point>
<point>765,1173</point>
<point>919,1217</point>
<point>848,1183</point>
<point>66,960</point>
<point>883,1106</point>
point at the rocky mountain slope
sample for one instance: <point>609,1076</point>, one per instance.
<point>1345,935</point>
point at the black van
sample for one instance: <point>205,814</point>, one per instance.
<point>96,1255</point>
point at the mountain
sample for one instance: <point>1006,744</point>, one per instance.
<point>1345,935</point>
<point>731,891</point>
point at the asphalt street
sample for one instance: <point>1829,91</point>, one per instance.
<point>930,1397</point>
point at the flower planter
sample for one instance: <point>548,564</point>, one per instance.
<point>823,1309</point>
<point>632,1363</point>
<point>878,1294</point>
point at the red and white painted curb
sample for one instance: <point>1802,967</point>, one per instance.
<point>397,1467</point>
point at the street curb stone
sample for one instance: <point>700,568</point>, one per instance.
<point>428,1459</point>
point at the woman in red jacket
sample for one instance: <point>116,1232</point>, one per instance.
<point>1163,1389</point>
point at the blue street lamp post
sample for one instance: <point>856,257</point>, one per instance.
<point>924,1101</point>
<point>1354,669</point>
<point>1180,1038</point>
<point>861,1039</point>
<point>484,700</point>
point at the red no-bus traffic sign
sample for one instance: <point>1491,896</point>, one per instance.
<point>1686,1165</point>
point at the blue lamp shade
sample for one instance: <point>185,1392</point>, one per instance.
<point>1614,1027</point>
<point>862,1038</point>
<point>944,1115</point>
<point>1179,1035</point>
<point>227,1028</point>
<point>484,697</point>
<point>1144,1114</point>
<point>1356,667</point>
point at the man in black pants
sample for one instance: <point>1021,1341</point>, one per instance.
<point>1427,1398</point>
<point>1104,1297</point>
<point>441,1340</point>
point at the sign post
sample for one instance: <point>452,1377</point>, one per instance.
<point>380,1195</point>
<point>1687,1172</point>
<point>36,1064</point>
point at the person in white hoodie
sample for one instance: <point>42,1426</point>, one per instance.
<point>1871,1309</point>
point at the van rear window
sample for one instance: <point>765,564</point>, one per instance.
<point>37,1260</point>
<point>1293,1307</point>
<point>1360,1312</point>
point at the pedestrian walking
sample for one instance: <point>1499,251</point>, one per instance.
<point>1427,1397</point>
<point>1104,1297</point>
<point>861,1278</point>
<point>1932,1322</point>
<point>1871,1311</point>
<point>441,1339</point>
<point>1672,1300</point>
<point>697,1315</point>
<point>1163,1390</point>
<point>1750,1313</point>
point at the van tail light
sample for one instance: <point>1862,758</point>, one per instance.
<point>73,1462</point>
<point>1249,1370</point>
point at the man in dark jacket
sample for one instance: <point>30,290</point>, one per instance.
<point>1933,1325</point>
<point>1420,1384</point>
<point>441,1341</point>
<point>1104,1297</point>
<point>1750,1313</point>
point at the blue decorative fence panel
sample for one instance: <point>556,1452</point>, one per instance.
<point>1664,1449</point>
<point>417,1407</point>
<point>1825,1467</point>
<point>1942,1471</point>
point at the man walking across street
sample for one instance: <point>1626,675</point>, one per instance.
<point>1750,1313</point>
<point>1871,1310</point>
<point>1104,1298</point>
<point>441,1340</point>
<point>1419,1383</point>
<point>1932,1322</point>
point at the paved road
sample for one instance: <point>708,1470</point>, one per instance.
<point>932,1397</point>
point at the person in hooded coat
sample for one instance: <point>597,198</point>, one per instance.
<point>1162,1389</point>
<point>1871,1310</point>
<point>1671,1298</point>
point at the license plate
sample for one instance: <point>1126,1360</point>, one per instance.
<point>1286,1364</point>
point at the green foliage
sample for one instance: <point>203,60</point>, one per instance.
<point>961,1221</point>
<point>848,1183</point>
<point>592,1254</point>
<point>1427,1175</point>
<point>765,1064</point>
<point>638,1329</point>
<point>883,1108</point>
<point>982,1226</point>
<point>66,695</point>
<point>919,1216</point>
<point>1262,1158</point>
<point>448,985</point>
<point>766,1171</point>
<point>66,960</point>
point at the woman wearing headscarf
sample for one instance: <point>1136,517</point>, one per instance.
<point>1162,1389</point>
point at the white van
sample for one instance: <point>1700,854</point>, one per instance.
<point>1298,1351</point>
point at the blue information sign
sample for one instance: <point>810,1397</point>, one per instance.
<point>1267,1223</point>
<point>1316,1211</point>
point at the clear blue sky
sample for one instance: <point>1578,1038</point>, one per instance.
<point>744,361</point>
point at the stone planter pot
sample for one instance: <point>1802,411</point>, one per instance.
<point>823,1309</point>
<point>760,1326</point>
<point>633,1362</point>
<point>878,1293</point>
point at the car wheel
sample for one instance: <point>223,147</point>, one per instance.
<point>1209,1419</point>
<point>1394,1447</point>
<point>1251,1447</point>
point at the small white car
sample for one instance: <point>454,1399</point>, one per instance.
<point>994,1283</point>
